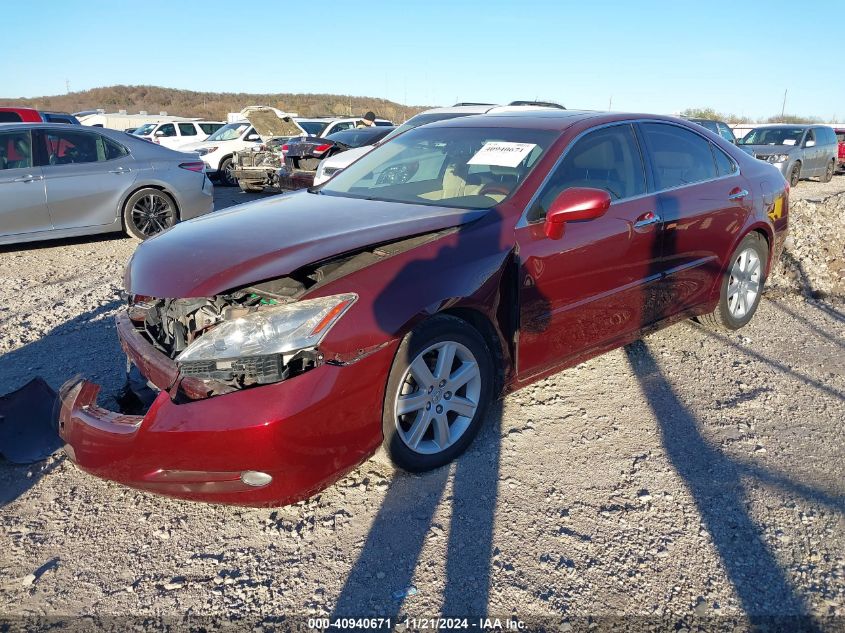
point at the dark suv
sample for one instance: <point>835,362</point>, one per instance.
<point>717,127</point>
<point>31,115</point>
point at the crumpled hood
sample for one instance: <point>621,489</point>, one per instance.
<point>271,238</point>
<point>270,122</point>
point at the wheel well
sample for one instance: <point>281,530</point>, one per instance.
<point>484,327</point>
<point>136,190</point>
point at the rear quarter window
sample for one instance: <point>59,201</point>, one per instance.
<point>10,117</point>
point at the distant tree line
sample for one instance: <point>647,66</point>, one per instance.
<point>710,113</point>
<point>213,105</point>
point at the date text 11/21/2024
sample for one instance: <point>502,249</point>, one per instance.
<point>418,624</point>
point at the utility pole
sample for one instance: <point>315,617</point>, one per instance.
<point>610,103</point>
<point>67,86</point>
<point>783,107</point>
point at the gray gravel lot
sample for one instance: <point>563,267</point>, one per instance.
<point>693,474</point>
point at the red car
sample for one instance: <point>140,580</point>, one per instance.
<point>840,138</point>
<point>291,336</point>
<point>31,115</point>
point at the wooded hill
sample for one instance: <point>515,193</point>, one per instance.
<point>212,105</point>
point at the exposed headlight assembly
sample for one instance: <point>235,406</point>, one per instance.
<point>777,158</point>
<point>258,347</point>
<point>202,151</point>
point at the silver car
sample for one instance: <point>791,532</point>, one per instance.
<point>60,181</point>
<point>798,151</point>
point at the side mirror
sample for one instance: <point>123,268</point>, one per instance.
<point>573,204</point>
<point>159,133</point>
<point>253,137</point>
<point>810,143</point>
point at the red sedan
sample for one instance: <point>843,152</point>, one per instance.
<point>290,337</point>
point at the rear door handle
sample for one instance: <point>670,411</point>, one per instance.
<point>646,219</point>
<point>120,170</point>
<point>737,194</point>
<point>28,178</point>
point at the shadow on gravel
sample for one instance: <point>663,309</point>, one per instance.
<point>715,482</point>
<point>85,344</point>
<point>65,241</point>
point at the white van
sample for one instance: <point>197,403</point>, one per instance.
<point>174,134</point>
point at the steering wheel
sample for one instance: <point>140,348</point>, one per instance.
<point>494,188</point>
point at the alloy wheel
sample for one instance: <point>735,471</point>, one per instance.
<point>152,214</point>
<point>438,397</point>
<point>744,283</point>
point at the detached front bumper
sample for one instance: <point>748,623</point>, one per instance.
<point>305,432</point>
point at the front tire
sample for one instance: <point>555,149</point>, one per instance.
<point>795,175</point>
<point>742,285</point>
<point>438,393</point>
<point>224,173</point>
<point>148,212</point>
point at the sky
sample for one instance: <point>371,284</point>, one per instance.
<point>643,56</point>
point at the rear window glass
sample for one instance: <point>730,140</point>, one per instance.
<point>724,163</point>
<point>187,129</point>
<point>314,128</point>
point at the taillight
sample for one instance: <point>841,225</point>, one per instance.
<point>285,148</point>
<point>321,148</point>
<point>197,166</point>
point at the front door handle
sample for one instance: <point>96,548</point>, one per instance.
<point>737,194</point>
<point>28,178</point>
<point>646,219</point>
<point>120,170</point>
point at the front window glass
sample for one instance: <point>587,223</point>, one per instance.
<point>15,150</point>
<point>145,130</point>
<point>840,136</point>
<point>210,128</point>
<point>679,157</point>
<point>607,159</point>
<point>472,168</point>
<point>168,129</point>
<point>313,128</point>
<point>229,132</point>
<point>773,136</point>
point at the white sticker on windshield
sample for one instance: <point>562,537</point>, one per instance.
<point>789,141</point>
<point>501,154</point>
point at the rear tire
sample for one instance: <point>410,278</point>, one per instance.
<point>795,175</point>
<point>148,212</point>
<point>742,285</point>
<point>438,392</point>
<point>828,174</point>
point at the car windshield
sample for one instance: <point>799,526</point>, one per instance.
<point>358,137</point>
<point>314,128</point>
<point>229,132</point>
<point>145,129</point>
<point>422,119</point>
<point>773,136</point>
<point>463,167</point>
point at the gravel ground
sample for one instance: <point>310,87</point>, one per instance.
<point>690,475</point>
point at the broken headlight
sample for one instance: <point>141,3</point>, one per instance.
<point>258,346</point>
